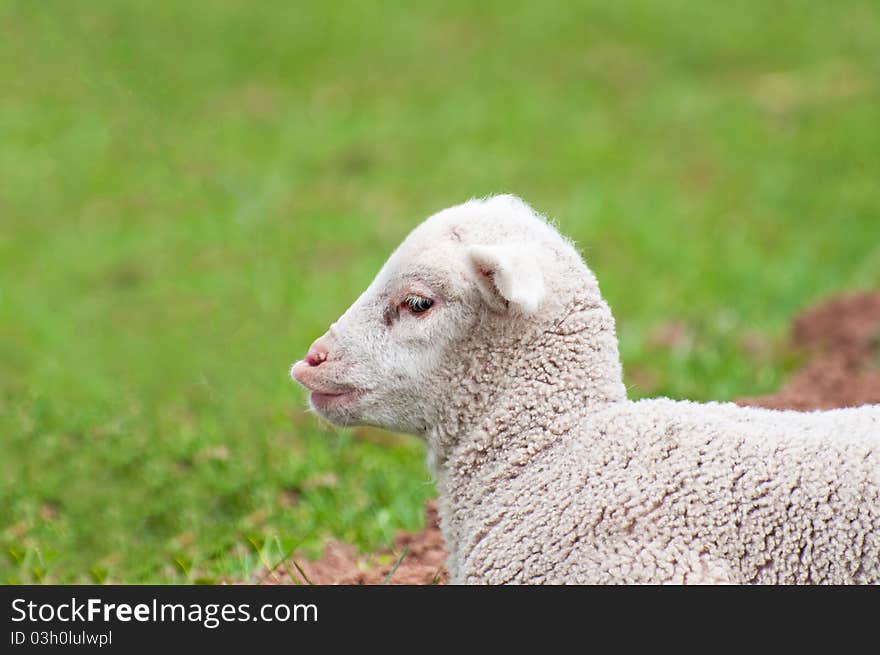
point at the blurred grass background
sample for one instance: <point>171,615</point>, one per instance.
<point>191,192</point>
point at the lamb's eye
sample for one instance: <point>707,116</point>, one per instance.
<point>418,304</point>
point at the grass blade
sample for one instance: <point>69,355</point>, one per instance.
<point>302,573</point>
<point>396,564</point>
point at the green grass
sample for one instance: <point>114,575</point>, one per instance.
<point>191,192</point>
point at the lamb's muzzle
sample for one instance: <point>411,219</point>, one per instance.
<point>320,374</point>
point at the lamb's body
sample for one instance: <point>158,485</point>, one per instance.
<point>506,363</point>
<point>663,491</point>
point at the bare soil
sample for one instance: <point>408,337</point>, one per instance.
<point>423,561</point>
<point>839,338</point>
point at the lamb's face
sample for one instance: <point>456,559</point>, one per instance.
<point>374,363</point>
<point>381,362</point>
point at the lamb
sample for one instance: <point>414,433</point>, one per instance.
<point>485,334</point>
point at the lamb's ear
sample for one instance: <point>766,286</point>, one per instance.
<point>508,273</point>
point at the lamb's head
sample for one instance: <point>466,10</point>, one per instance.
<point>466,280</point>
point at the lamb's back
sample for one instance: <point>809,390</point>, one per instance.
<point>648,491</point>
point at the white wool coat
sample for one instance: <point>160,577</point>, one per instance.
<point>566,481</point>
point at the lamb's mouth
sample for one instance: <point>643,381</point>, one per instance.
<point>321,400</point>
<point>325,393</point>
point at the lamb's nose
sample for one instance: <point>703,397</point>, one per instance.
<point>317,354</point>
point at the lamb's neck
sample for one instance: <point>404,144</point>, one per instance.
<point>558,376</point>
<point>527,395</point>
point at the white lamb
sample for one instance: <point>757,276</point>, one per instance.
<point>485,333</point>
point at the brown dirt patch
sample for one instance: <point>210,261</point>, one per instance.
<point>841,341</point>
<point>423,564</point>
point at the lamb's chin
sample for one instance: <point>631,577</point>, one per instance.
<point>338,408</point>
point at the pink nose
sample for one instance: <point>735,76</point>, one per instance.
<point>317,354</point>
